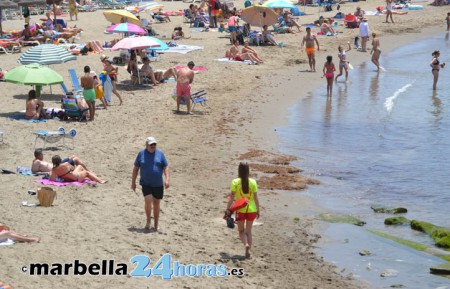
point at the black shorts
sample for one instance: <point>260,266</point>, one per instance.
<point>156,192</point>
<point>68,160</point>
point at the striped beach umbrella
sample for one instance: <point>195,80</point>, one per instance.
<point>46,54</point>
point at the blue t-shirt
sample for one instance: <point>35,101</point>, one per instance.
<point>152,167</point>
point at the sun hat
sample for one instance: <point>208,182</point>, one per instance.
<point>150,140</point>
<point>103,57</point>
<point>364,19</point>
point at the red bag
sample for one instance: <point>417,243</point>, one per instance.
<point>239,204</point>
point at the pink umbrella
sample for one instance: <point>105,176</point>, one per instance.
<point>126,28</point>
<point>135,43</point>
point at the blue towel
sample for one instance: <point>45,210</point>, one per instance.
<point>24,171</point>
<point>22,118</point>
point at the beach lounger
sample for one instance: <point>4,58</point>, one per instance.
<point>75,82</point>
<point>49,136</point>
<point>71,109</point>
<point>108,4</point>
<point>66,91</point>
<point>196,98</point>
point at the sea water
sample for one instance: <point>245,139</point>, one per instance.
<point>382,138</point>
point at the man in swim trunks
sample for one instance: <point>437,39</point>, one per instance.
<point>87,83</point>
<point>185,76</point>
<point>40,167</point>
<point>309,40</point>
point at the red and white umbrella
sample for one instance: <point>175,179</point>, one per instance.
<point>135,43</point>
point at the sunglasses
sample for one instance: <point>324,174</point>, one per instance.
<point>153,145</point>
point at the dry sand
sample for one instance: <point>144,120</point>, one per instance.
<point>248,102</point>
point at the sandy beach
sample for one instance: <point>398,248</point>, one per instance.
<point>105,222</point>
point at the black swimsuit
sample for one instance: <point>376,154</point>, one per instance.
<point>435,63</point>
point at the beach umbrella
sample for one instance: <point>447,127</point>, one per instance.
<point>279,4</point>
<point>46,54</point>
<point>258,15</point>
<point>34,74</point>
<point>30,2</point>
<point>126,28</point>
<point>121,16</point>
<point>153,6</point>
<point>5,5</point>
<point>162,44</point>
<point>135,43</point>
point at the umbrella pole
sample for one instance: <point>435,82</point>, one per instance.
<point>38,91</point>
<point>1,18</point>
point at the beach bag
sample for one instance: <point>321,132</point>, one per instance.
<point>217,5</point>
<point>99,92</point>
<point>46,195</point>
<point>239,204</point>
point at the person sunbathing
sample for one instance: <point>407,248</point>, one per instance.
<point>160,16</point>
<point>4,286</point>
<point>178,34</point>
<point>248,49</point>
<point>94,46</point>
<point>381,10</point>
<point>326,28</point>
<point>6,233</point>
<point>41,167</point>
<point>287,17</point>
<point>147,71</point>
<point>269,36</point>
<point>34,108</point>
<point>234,54</point>
<point>69,173</point>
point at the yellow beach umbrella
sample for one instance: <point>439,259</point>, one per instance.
<point>121,16</point>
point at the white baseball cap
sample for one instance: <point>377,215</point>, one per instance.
<point>150,140</point>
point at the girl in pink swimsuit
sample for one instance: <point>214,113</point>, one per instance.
<point>328,72</point>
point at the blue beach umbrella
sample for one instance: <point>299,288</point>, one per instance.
<point>163,45</point>
<point>279,4</point>
<point>46,54</point>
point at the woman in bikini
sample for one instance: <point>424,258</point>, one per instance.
<point>343,63</point>
<point>435,67</point>
<point>69,173</point>
<point>112,72</point>
<point>6,233</point>
<point>244,187</point>
<point>34,107</point>
<point>376,51</point>
<point>328,72</point>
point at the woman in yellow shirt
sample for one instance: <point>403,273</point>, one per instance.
<point>244,187</point>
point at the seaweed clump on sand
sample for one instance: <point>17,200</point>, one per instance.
<point>440,235</point>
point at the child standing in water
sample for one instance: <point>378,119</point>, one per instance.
<point>328,72</point>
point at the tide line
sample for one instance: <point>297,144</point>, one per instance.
<point>389,103</point>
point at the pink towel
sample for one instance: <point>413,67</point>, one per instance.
<point>62,184</point>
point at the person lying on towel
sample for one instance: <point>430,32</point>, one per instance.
<point>41,167</point>
<point>69,173</point>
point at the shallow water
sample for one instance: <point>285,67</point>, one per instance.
<point>383,138</point>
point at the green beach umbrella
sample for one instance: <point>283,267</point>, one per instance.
<point>34,74</point>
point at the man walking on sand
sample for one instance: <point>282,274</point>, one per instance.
<point>309,40</point>
<point>185,76</point>
<point>153,164</point>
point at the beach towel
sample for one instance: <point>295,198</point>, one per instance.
<point>183,49</point>
<point>6,242</point>
<point>25,171</point>
<point>22,118</point>
<point>107,85</point>
<point>62,184</point>
<point>226,59</point>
